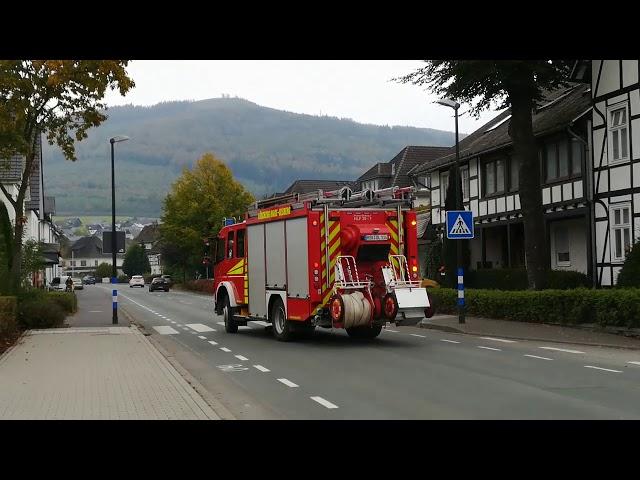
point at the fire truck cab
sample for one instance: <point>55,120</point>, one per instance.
<point>337,259</point>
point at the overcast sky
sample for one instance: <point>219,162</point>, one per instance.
<point>358,89</point>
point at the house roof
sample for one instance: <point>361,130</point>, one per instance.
<point>149,234</point>
<point>11,168</point>
<point>412,156</point>
<point>90,246</point>
<point>557,110</point>
<point>377,171</point>
<point>307,186</point>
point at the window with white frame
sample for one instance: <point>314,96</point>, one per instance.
<point>444,186</point>
<point>618,132</point>
<point>563,255</point>
<point>464,173</point>
<point>620,218</point>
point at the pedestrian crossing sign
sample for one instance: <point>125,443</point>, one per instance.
<point>459,224</point>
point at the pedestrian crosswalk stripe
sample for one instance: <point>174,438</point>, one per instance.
<point>165,330</point>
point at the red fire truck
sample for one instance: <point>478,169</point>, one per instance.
<point>338,259</point>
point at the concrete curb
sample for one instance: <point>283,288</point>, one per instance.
<point>445,328</point>
<point>206,396</point>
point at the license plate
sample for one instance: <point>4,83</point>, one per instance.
<point>376,238</point>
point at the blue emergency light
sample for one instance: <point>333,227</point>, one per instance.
<point>229,221</point>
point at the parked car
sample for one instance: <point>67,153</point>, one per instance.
<point>136,281</point>
<point>158,283</point>
<point>58,284</point>
<point>167,279</point>
<point>89,280</point>
<point>77,284</point>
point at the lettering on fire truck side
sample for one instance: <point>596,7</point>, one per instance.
<point>274,213</point>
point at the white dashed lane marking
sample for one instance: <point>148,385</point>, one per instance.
<point>499,340</point>
<point>240,357</point>
<point>489,348</point>
<point>413,335</point>
<point>448,341</point>
<point>165,330</point>
<point>185,328</point>
<point>560,349</point>
<point>634,363</point>
<point>201,337</point>
<point>323,402</point>
<point>604,369</point>
<point>288,383</point>
<point>212,342</point>
<point>199,327</point>
<point>540,358</point>
<point>261,368</point>
<point>389,330</point>
<point>225,349</point>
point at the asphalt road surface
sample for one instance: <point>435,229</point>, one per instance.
<point>406,373</point>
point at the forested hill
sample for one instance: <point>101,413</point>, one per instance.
<point>266,149</point>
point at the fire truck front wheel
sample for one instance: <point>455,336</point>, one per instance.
<point>281,326</point>
<point>230,325</point>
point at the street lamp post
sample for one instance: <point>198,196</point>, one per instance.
<point>458,199</point>
<point>114,268</point>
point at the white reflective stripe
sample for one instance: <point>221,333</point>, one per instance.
<point>460,293</point>
<point>115,298</point>
<point>460,279</point>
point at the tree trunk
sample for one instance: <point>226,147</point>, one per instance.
<point>526,150</point>
<point>16,257</point>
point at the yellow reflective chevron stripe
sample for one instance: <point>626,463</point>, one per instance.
<point>237,269</point>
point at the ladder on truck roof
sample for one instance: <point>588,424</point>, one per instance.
<point>344,197</point>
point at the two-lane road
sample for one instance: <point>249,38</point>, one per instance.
<point>406,373</point>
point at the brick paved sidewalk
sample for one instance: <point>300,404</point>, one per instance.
<point>94,373</point>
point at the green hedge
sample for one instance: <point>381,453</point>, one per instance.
<point>615,307</point>
<point>8,311</point>
<point>516,279</point>
<point>68,301</point>
<point>630,274</point>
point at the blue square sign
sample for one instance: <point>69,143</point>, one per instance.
<point>459,224</point>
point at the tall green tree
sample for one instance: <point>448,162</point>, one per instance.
<point>514,84</point>
<point>103,270</point>
<point>198,200</point>
<point>61,99</point>
<point>136,261</point>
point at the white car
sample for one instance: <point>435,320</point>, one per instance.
<point>136,281</point>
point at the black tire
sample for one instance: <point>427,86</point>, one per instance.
<point>364,332</point>
<point>230,324</point>
<point>281,326</point>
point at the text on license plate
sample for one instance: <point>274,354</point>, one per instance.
<point>376,238</point>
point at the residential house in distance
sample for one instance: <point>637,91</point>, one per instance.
<point>148,238</point>
<point>490,182</point>
<point>86,255</point>
<point>394,173</point>
<point>614,137</point>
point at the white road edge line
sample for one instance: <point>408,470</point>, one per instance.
<point>240,357</point>
<point>323,402</point>
<point>541,358</point>
<point>389,330</point>
<point>490,348</point>
<point>634,363</point>
<point>225,349</point>
<point>604,369</point>
<point>288,383</point>
<point>415,335</point>
<point>499,340</point>
<point>448,341</point>
<point>261,368</point>
<point>560,349</point>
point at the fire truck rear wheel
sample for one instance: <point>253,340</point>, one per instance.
<point>281,327</point>
<point>230,325</point>
<point>364,332</point>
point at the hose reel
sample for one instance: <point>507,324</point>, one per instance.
<point>350,309</point>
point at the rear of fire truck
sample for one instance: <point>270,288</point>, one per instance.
<point>328,259</point>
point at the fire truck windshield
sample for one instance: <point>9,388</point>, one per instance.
<point>373,252</point>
